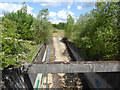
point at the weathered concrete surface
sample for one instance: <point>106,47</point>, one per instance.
<point>32,77</point>
<point>75,67</point>
<point>75,54</point>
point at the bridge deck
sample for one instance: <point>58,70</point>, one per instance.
<point>75,67</point>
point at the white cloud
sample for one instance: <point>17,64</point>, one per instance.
<point>62,14</point>
<point>1,15</point>
<point>55,0</point>
<point>75,19</point>
<point>54,3</point>
<point>66,0</point>
<point>68,7</point>
<point>88,4</point>
<point>58,17</point>
<point>34,15</point>
<point>85,5</point>
<point>56,21</point>
<point>52,14</point>
<point>71,13</point>
<point>70,2</point>
<point>51,4</point>
<point>43,4</point>
<point>79,7</point>
<point>29,11</point>
<point>9,7</point>
<point>50,1</point>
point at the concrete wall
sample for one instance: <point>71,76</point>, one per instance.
<point>97,80</point>
<point>74,51</point>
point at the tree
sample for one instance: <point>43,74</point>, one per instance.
<point>69,27</point>
<point>41,27</point>
<point>119,27</point>
<point>24,8</point>
<point>11,50</point>
<point>42,16</point>
<point>24,21</point>
<point>97,32</point>
<point>15,26</point>
<point>61,26</point>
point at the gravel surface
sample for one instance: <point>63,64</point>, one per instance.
<point>64,80</point>
<point>60,50</point>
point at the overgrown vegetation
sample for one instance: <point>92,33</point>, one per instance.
<point>41,27</point>
<point>23,20</point>
<point>20,29</point>
<point>69,27</point>
<point>60,26</point>
<point>97,33</point>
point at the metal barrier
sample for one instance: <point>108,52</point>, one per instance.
<point>37,51</point>
<point>40,76</point>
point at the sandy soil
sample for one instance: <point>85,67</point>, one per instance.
<point>60,50</point>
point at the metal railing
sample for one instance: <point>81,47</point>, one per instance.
<point>40,76</point>
<point>38,48</point>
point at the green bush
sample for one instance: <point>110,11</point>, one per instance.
<point>19,27</point>
<point>41,28</point>
<point>11,50</point>
<point>97,32</point>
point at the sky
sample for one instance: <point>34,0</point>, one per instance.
<point>58,9</point>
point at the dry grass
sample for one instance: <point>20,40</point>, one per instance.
<point>58,33</point>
